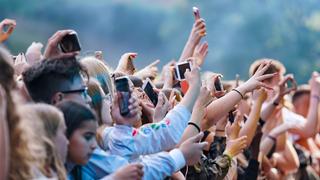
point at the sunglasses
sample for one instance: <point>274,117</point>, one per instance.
<point>83,91</point>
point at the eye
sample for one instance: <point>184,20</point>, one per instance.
<point>88,136</point>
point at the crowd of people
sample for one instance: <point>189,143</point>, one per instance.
<point>65,116</point>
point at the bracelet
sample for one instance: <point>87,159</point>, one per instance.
<point>272,138</point>
<point>238,93</point>
<point>220,130</point>
<point>195,125</point>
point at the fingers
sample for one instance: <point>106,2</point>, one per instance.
<point>202,145</point>
<point>196,138</point>
<point>161,100</point>
<point>156,62</point>
<point>57,37</point>
<point>266,76</point>
<point>265,86</point>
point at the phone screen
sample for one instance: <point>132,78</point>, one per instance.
<point>153,96</point>
<point>182,68</point>
<point>217,84</point>
<point>70,43</point>
<point>122,86</point>
<point>231,117</point>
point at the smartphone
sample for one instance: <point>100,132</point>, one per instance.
<point>196,13</point>
<point>231,117</point>
<point>148,89</point>
<point>70,43</point>
<point>217,84</point>
<point>122,86</point>
<point>181,68</point>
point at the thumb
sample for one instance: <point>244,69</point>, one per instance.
<point>160,99</point>
<point>197,138</point>
<point>202,145</point>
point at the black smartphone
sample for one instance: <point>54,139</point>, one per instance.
<point>218,85</point>
<point>181,68</point>
<point>148,89</point>
<point>231,117</point>
<point>122,86</point>
<point>70,43</point>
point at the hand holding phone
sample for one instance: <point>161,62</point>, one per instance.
<point>181,68</point>
<point>196,13</point>
<point>148,88</point>
<point>122,86</point>
<point>70,43</point>
<point>217,84</point>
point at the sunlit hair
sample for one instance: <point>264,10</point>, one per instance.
<point>276,66</point>
<point>100,71</point>
<point>49,119</point>
<point>96,93</point>
<point>20,155</point>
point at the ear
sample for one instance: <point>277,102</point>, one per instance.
<point>57,97</point>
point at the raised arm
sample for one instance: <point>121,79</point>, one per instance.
<point>282,90</point>
<point>250,126</point>
<point>309,128</point>
<point>197,115</point>
<point>223,105</point>
<point>198,31</point>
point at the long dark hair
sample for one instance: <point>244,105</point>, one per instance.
<point>75,114</point>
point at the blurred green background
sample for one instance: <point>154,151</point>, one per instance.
<point>238,32</point>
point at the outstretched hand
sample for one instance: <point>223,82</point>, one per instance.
<point>11,24</point>
<point>126,63</point>
<point>192,149</point>
<point>150,71</point>
<point>256,81</point>
<point>200,53</point>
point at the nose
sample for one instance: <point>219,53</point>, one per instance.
<point>93,145</point>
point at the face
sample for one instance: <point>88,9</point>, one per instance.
<point>61,141</point>
<point>76,91</point>
<point>82,143</point>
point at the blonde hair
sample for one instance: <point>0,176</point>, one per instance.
<point>100,71</point>
<point>21,158</point>
<point>48,119</point>
<point>96,93</point>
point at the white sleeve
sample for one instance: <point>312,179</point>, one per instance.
<point>161,165</point>
<point>150,138</point>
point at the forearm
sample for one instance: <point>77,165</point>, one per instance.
<point>290,160</point>
<point>191,96</point>
<point>310,129</point>
<point>220,107</point>
<point>196,118</point>
<point>249,129</point>
<point>267,111</point>
<point>187,50</point>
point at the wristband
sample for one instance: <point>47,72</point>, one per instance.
<point>235,90</point>
<point>195,125</point>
